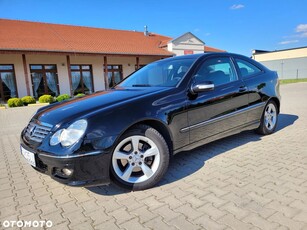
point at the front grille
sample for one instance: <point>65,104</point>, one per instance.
<point>37,132</point>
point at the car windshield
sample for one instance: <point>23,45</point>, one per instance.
<point>166,73</point>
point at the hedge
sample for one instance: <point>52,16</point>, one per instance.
<point>28,100</point>
<point>14,102</point>
<point>62,97</point>
<point>46,99</point>
<point>80,95</point>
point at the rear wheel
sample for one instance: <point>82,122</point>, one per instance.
<point>140,159</point>
<point>269,119</point>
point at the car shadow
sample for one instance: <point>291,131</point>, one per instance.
<point>186,163</point>
<point>285,120</point>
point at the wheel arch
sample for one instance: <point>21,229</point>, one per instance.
<point>277,101</point>
<point>159,126</point>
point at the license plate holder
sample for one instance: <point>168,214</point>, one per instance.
<point>29,156</point>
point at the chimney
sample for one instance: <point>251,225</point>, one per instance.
<point>146,31</point>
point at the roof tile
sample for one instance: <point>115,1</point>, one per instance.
<point>36,36</point>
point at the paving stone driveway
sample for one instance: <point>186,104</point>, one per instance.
<point>242,182</point>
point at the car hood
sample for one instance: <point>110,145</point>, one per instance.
<point>70,110</point>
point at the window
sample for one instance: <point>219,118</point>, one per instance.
<point>81,79</point>
<point>44,80</point>
<point>115,74</point>
<point>8,87</point>
<point>165,73</point>
<point>218,70</point>
<point>247,68</point>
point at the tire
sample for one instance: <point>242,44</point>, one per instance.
<point>269,119</point>
<point>140,158</point>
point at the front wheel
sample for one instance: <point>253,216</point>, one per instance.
<point>269,119</point>
<point>140,158</point>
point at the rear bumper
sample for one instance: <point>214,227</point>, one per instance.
<point>88,169</point>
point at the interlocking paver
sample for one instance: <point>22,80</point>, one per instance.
<point>144,214</point>
<point>260,222</point>
<point>158,223</point>
<point>206,223</point>
<point>167,214</point>
<point>288,222</point>
<point>245,181</point>
<point>234,223</point>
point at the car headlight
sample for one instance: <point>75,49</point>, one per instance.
<point>70,135</point>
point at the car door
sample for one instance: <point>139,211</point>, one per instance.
<point>257,80</point>
<point>219,110</point>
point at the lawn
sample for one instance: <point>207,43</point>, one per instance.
<point>287,81</point>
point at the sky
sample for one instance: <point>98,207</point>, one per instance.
<point>238,26</point>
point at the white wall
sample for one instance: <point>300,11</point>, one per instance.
<point>186,42</point>
<point>282,54</point>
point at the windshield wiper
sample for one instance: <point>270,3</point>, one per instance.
<point>141,85</point>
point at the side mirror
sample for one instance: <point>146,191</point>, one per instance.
<point>202,87</point>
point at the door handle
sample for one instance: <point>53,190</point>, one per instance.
<point>242,89</point>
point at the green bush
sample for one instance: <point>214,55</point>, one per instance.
<point>46,99</point>
<point>80,95</point>
<point>14,102</point>
<point>28,100</point>
<point>62,97</point>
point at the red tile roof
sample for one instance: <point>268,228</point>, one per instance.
<point>212,49</point>
<point>35,36</point>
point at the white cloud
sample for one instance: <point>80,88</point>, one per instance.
<point>288,42</point>
<point>301,32</point>
<point>236,7</point>
<point>301,28</point>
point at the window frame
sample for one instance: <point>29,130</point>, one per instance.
<point>251,63</point>
<point>15,82</point>
<point>112,70</point>
<point>43,71</point>
<point>81,70</point>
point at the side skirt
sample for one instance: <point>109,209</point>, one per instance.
<point>249,126</point>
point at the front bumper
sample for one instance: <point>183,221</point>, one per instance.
<point>88,169</point>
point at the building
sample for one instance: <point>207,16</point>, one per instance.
<point>289,63</point>
<point>43,58</point>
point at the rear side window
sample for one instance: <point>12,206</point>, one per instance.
<point>246,68</point>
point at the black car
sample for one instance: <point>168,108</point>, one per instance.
<point>129,132</point>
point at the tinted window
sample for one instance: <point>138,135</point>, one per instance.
<point>165,73</point>
<point>218,70</point>
<point>247,68</point>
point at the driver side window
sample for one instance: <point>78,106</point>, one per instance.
<point>217,70</point>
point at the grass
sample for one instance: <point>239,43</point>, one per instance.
<point>287,81</point>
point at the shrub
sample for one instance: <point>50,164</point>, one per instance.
<point>80,95</point>
<point>14,102</point>
<point>28,100</point>
<point>46,99</point>
<point>62,97</point>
